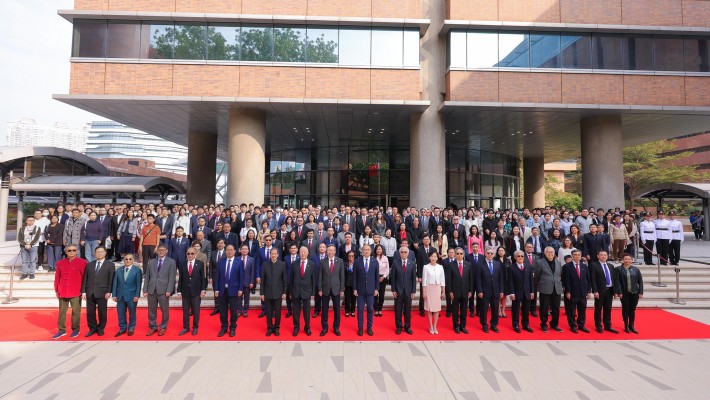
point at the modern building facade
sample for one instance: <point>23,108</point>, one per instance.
<point>405,102</point>
<point>699,146</point>
<point>28,133</point>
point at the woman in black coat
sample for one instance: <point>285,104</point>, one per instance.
<point>629,288</point>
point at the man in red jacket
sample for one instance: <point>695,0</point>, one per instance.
<point>67,286</point>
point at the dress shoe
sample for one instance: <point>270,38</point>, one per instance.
<point>633,330</point>
<point>32,276</point>
<point>245,314</point>
<point>268,332</point>
<point>337,332</point>
<point>23,276</point>
<point>222,333</point>
<point>533,313</point>
<point>100,333</point>
<point>119,333</point>
<point>516,329</point>
<point>182,332</point>
<point>161,332</point>
<point>323,332</point>
<point>544,329</point>
<point>612,330</point>
<point>308,331</point>
<point>232,332</point>
<point>369,332</point>
<point>409,331</point>
<point>289,314</point>
<point>261,314</point>
<point>214,312</point>
<point>600,330</point>
<point>421,313</point>
<point>573,330</point>
<point>529,329</point>
<point>315,315</point>
<point>276,332</point>
<point>463,330</point>
<point>627,330</point>
<point>130,333</point>
<point>295,331</point>
<point>359,332</point>
<point>471,314</point>
<point>90,334</point>
<point>457,330</point>
<point>151,332</point>
<point>584,329</point>
<point>557,328</point>
<point>398,331</point>
<point>485,329</point>
<point>495,329</point>
<point>194,331</point>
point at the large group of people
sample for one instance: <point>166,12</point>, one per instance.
<point>472,261</point>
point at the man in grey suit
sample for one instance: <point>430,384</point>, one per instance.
<point>404,286</point>
<point>274,279</point>
<point>548,280</point>
<point>332,286</point>
<point>158,286</point>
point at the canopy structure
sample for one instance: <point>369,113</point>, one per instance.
<point>681,191</point>
<point>101,184</point>
<point>48,160</point>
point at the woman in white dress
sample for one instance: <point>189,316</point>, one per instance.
<point>433,290</point>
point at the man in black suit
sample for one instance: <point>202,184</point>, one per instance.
<point>302,290</point>
<point>593,243</point>
<point>291,260</point>
<point>460,285</point>
<point>115,223</point>
<point>476,260</point>
<point>423,252</point>
<point>490,287</point>
<point>96,290</point>
<point>331,285</point>
<point>456,225</point>
<point>521,288</point>
<point>274,278</point>
<point>366,285</point>
<point>575,280</point>
<point>403,281</point>
<point>216,256</point>
<point>192,286</point>
<point>530,259</point>
<point>165,223</point>
<point>449,262</point>
<point>229,237</point>
<point>301,230</point>
<point>603,279</point>
<point>361,222</point>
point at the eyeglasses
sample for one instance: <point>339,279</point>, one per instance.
<point>71,250</point>
<point>459,254</point>
<point>191,254</point>
<point>127,259</point>
<point>519,256</point>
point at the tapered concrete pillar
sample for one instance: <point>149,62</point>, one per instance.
<point>246,146</point>
<point>427,142</point>
<point>534,177</point>
<point>602,162</point>
<point>201,167</point>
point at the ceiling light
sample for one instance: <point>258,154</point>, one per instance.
<point>375,113</point>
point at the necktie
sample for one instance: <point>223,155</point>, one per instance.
<point>475,259</point>
<point>530,258</point>
<point>490,267</point>
<point>522,267</point>
<point>461,269</point>
<point>160,264</point>
<point>299,231</point>
<point>309,243</point>
<point>303,269</point>
<point>219,255</point>
<point>535,244</point>
<point>178,242</point>
<point>331,266</point>
<point>320,235</point>
<point>98,266</point>
<point>404,266</point>
<point>367,266</point>
<point>125,273</point>
<point>229,271</point>
<point>244,261</point>
<point>576,266</point>
<point>189,269</point>
<point>606,275</point>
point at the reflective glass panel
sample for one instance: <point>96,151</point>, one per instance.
<point>545,50</point>
<point>223,42</point>
<point>354,46</point>
<point>388,49</point>
<point>576,51</point>
<point>607,52</point>
<point>157,40</point>
<point>89,38</point>
<point>457,49</point>
<point>257,43</point>
<point>482,49</point>
<point>289,44</point>
<point>123,39</point>
<point>695,52</point>
<point>322,45</point>
<point>513,50</point>
<point>638,53</point>
<point>668,54</point>
<point>411,47</point>
<point>190,42</point>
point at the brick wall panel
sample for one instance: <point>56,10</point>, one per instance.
<point>142,5</point>
<point>652,12</point>
<point>91,4</point>
<point>323,7</point>
<point>354,83</point>
<point>396,9</point>
<point>592,89</point>
<point>585,11</point>
<point>654,90</point>
<point>522,87</point>
<point>87,78</point>
<point>206,80</point>
<point>274,7</point>
<point>257,81</point>
<point>697,91</point>
<point>529,10</point>
<point>209,6</point>
<point>322,83</point>
<point>391,84</point>
<point>120,79</point>
<point>480,10</point>
<point>472,86</point>
<point>696,13</point>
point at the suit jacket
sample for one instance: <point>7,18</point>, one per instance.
<point>313,248</point>
<point>206,249</point>
<point>127,289</point>
<point>160,282</point>
<point>490,284</point>
<point>263,257</point>
<point>366,282</point>
<point>592,245</point>
<point>274,280</point>
<point>520,283</point>
<point>461,229</point>
<point>404,283</point>
<point>576,286</point>
<point>115,222</point>
<point>622,281</point>
<point>460,285</point>
<point>101,282</point>
<point>289,265</point>
<point>107,227</point>
<point>545,279</point>
<point>597,277</point>
<point>360,226</point>
<point>543,243</point>
<point>232,283</point>
<point>332,283</point>
<point>178,252</point>
<point>316,261</point>
<point>304,232</point>
<point>423,258</point>
<point>196,228</point>
<point>303,287</point>
<point>332,241</point>
<point>248,270</point>
<point>192,285</point>
<point>342,253</point>
<point>166,226</point>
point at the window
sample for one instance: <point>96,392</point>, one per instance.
<point>457,49</point>
<point>389,48</point>
<point>123,39</point>
<point>354,46</point>
<point>411,48</point>
<point>257,43</point>
<point>322,45</point>
<point>190,42</point>
<point>89,38</point>
<point>223,42</point>
<point>638,53</point>
<point>289,44</point>
<point>607,52</point>
<point>695,52</point>
<point>513,50</point>
<point>576,51</point>
<point>157,40</point>
<point>545,50</point>
<point>668,54</point>
<point>481,49</point>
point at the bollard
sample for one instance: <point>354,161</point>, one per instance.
<point>10,299</point>
<point>658,283</point>
<point>677,299</point>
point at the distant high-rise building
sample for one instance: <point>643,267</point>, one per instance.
<point>108,139</point>
<point>27,132</point>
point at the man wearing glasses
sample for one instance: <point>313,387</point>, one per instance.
<point>67,286</point>
<point>126,291</point>
<point>460,285</point>
<point>192,286</point>
<point>521,289</point>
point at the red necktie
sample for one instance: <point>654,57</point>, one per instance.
<point>522,267</point>
<point>461,269</point>
<point>331,266</point>
<point>404,266</point>
<point>189,269</point>
<point>530,258</point>
<point>576,266</point>
<point>299,231</point>
<point>309,243</point>
<point>303,269</point>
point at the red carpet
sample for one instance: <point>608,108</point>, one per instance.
<point>41,324</point>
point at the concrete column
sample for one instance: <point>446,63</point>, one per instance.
<point>534,177</point>
<point>602,162</point>
<point>4,198</point>
<point>427,142</point>
<point>20,209</point>
<point>201,167</point>
<point>706,219</point>
<point>246,146</point>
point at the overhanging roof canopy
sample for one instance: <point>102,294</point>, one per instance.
<point>100,184</point>
<point>680,191</point>
<point>9,155</point>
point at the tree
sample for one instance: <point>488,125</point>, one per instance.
<point>558,198</point>
<point>654,163</point>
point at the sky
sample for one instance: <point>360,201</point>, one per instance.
<point>35,47</point>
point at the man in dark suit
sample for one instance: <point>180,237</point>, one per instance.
<point>521,289</point>
<point>457,226</point>
<point>603,279</point>
<point>310,243</point>
<point>107,228</point>
<point>538,242</point>
<point>490,287</point>
<point>159,285</point>
<point>575,280</point>
<point>97,286</point>
<point>264,256</point>
<point>449,262</point>
<point>593,243</point>
<point>361,222</point>
<point>460,285</point>
<point>291,260</point>
<point>403,281</point>
<point>115,223</point>
<point>301,230</point>
<point>417,233</point>
<point>192,286</point>
<point>274,278</point>
<point>228,285</point>
<point>200,227</point>
<point>302,290</point>
<point>366,282</point>
<point>476,260</point>
<point>217,255</point>
<point>228,236</point>
<point>548,280</point>
<point>530,260</point>
<point>248,267</point>
<point>331,285</point>
<point>165,223</point>
<point>177,247</point>
<point>423,252</point>
<point>126,292</point>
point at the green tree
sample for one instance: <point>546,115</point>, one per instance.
<point>558,198</point>
<point>321,50</point>
<point>190,42</point>
<point>654,163</point>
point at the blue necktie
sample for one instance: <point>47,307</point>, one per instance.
<point>606,275</point>
<point>160,264</point>
<point>366,266</point>
<point>490,267</point>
